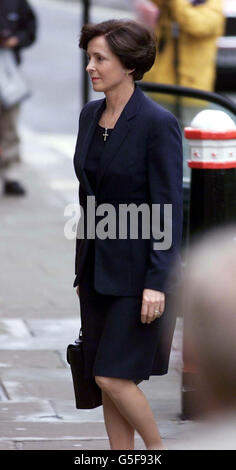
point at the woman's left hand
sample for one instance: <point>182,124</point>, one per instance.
<point>152,300</point>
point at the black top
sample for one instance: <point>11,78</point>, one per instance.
<point>94,154</point>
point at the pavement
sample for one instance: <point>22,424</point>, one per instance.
<point>39,316</point>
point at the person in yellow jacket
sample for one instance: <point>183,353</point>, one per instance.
<point>187,32</point>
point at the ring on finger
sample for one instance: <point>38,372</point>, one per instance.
<point>157,313</point>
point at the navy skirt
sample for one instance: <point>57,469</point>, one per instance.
<point>115,342</point>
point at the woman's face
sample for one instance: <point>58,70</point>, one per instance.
<point>104,67</point>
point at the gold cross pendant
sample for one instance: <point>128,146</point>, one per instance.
<point>105,135</point>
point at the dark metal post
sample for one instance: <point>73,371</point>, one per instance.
<point>212,204</point>
<point>85,97</point>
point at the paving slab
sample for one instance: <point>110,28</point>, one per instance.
<point>28,410</point>
<point>43,309</point>
<point>38,383</point>
<point>24,430</point>
<point>56,327</point>
<point>36,359</point>
<point>3,394</point>
<point>39,334</point>
<point>99,444</point>
<point>7,445</point>
<point>13,327</point>
<point>68,412</point>
<point>39,276</point>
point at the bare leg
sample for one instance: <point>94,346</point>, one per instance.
<point>134,407</point>
<point>120,433</point>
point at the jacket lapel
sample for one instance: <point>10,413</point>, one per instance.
<point>115,140</point>
<point>85,143</point>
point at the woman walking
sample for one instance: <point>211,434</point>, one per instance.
<point>128,152</point>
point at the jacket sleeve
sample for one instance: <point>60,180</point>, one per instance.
<point>165,181</point>
<point>27,27</point>
<point>200,20</point>
<point>82,203</point>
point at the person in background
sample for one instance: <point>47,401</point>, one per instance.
<point>208,297</point>
<point>17,30</point>
<point>187,32</point>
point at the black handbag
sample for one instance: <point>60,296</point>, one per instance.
<point>87,393</point>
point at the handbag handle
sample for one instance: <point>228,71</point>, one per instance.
<point>79,339</point>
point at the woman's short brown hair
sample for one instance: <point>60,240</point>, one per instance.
<point>129,40</point>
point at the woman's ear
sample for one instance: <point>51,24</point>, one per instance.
<point>128,72</point>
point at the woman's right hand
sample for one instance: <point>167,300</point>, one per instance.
<point>147,12</point>
<point>10,42</point>
<point>77,290</point>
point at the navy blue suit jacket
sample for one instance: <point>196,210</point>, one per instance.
<point>142,163</point>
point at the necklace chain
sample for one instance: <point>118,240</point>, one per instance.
<point>105,135</point>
